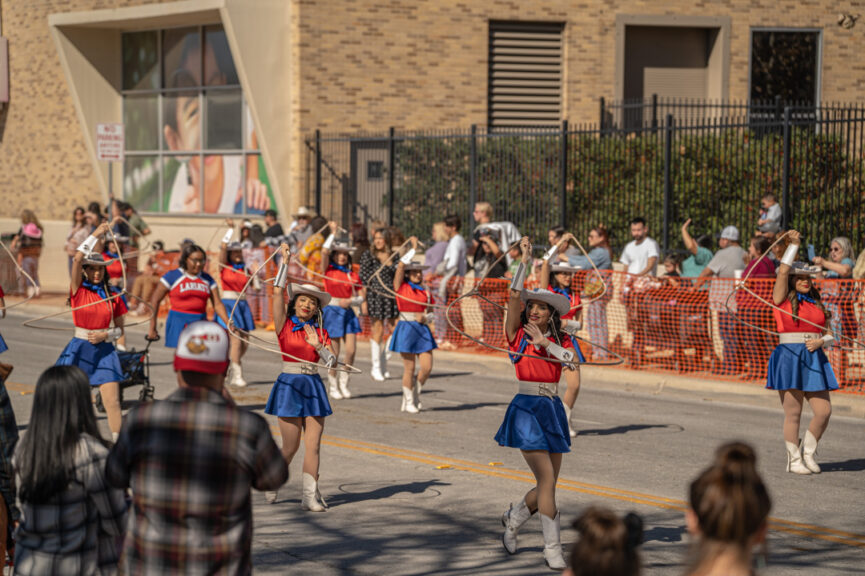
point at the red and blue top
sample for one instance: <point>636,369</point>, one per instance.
<point>97,316</point>
<point>413,297</point>
<point>234,279</point>
<point>114,268</point>
<point>807,311</point>
<point>573,297</point>
<point>292,339</point>
<point>188,294</point>
<point>534,369</point>
<point>339,281</point>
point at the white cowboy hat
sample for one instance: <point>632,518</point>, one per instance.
<point>802,269</point>
<point>340,246</point>
<point>564,268</point>
<point>303,212</point>
<point>552,299</point>
<point>415,266</point>
<point>311,290</point>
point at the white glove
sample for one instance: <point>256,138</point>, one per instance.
<point>356,300</point>
<point>114,334</point>
<point>572,327</point>
<point>408,256</point>
<point>88,245</point>
<point>228,234</point>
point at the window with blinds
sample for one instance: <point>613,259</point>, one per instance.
<point>525,74</point>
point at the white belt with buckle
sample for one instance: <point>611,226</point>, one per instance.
<point>232,295</point>
<point>797,337</point>
<point>83,333</point>
<point>548,389</point>
<point>299,368</point>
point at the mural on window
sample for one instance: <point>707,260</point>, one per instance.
<point>191,146</point>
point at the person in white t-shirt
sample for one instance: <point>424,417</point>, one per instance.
<point>640,255</point>
<point>453,264</point>
<point>641,258</point>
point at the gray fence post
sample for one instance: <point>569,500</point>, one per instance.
<point>473,176</point>
<point>563,177</point>
<point>603,113</point>
<point>391,168</point>
<point>668,180</point>
<point>785,174</point>
<point>318,171</point>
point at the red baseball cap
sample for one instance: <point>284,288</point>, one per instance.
<point>202,347</point>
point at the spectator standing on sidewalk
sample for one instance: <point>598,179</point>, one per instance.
<point>453,265</point>
<point>723,267</point>
<point>194,514</point>
<point>597,290</point>
<point>28,243</point>
<point>79,223</point>
<point>641,257</point>
<point>700,250</point>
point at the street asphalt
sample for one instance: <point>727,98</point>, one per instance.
<point>423,494</point>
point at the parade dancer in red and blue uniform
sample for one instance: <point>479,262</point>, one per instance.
<point>798,368</point>
<point>234,275</point>
<point>535,421</point>
<point>412,337</point>
<point>298,397</point>
<point>4,368</point>
<point>189,289</point>
<point>339,319</point>
<point>558,277</point>
<point>92,347</point>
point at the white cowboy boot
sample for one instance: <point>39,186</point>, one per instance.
<point>387,352</point>
<point>809,449</point>
<point>270,496</point>
<point>311,499</point>
<point>408,401</point>
<point>415,393</point>
<point>237,375</point>
<point>553,542</point>
<point>513,519</point>
<point>375,353</point>
<point>333,385</point>
<point>794,460</point>
<point>343,384</point>
<point>383,358</point>
<point>571,430</point>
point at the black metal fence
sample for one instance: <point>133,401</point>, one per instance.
<point>713,169</point>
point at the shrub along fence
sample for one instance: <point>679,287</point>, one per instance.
<point>711,169</point>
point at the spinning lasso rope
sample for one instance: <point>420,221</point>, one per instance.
<point>474,292</point>
<point>22,271</point>
<point>31,323</point>
<point>391,293</point>
<point>340,366</point>
<point>742,285</point>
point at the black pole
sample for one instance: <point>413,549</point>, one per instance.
<point>654,112</point>
<point>785,175</point>
<point>603,113</point>
<point>391,157</point>
<point>318,171</point>
<point>563,177</point>
<point>473,177</point>
<point>668,181</point>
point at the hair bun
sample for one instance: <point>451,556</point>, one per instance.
<point>737,461</point>
<point>634,525</point>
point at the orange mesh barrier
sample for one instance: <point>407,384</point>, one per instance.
<point>656,324</point>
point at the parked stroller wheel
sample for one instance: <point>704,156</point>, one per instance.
<point>146,394</point>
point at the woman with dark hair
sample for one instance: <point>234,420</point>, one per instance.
<point>189,289</point>
<point>79,223</point>
<point>94,309</point>
<point>380,304</point>
<point>728,513</point>
<point>607,545</point>
<point>535,421</point>
<point>339,319</point>
<point>28,245</point>
<point>71,521</point>
<point>597,289</point>
<point>412,337</point>
<point>298,398</point>
<point>798,367</point>
<point>234,275</point>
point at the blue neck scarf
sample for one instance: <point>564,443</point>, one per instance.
<point>524,343</point>
<point>111,255</point>
<point>343,269</point>
<point>298,325</point>
<point>98,288</point>
<point>563,291</point>
<point>415,286</point>
<point>805,298</point>
<point>238,266</point>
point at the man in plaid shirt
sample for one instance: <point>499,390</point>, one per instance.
<point>190,461</point>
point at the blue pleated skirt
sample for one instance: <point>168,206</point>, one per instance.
<point>242,315</point>
<point>298,395</point>
<point>339,321</point>
<point>3,347</point>
<point>98,361</point>
<point>793,367</point>
<point>175,324</point>
<point>535,423</point>
<point>412,337</point>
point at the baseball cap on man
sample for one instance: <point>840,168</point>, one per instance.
<point>202,347</point>
<point>730,233</point>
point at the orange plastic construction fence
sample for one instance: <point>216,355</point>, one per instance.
<point>656,324</point>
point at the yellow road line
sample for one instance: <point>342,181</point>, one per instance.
<point>777,524</point>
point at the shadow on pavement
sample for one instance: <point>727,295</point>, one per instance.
<point>855,465</point>
<point>629,428</point>
<point>461,407</point>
